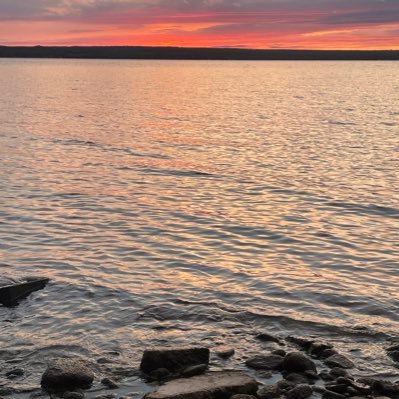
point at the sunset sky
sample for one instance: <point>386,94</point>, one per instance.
<point>324,24</point>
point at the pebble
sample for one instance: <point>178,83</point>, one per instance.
<point>111,384</point>
<point>339,361</point>
<point>268,338</point>
<point>332,395</point>
<point>225,353</point>
<point>296,361</point>
<point>268,392</point>
<point>73,395</point>
<point>301,391</point>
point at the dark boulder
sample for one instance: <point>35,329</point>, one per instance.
<point>387,388</point>
<point>194,370</point>
<point>394,355</point>
<point>265,362</point>
<point>174,359</point>
<point>11,292</point>
<point>67,374</point>
<point>297,362</point>
<point>317,348</point>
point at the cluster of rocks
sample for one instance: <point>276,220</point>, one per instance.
<point>315,368</point>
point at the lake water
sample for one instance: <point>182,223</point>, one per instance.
<point>179,203</point>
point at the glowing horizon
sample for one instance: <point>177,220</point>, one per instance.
<point>267,24</point>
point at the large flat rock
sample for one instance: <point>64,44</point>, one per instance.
<point>213,385</point>
<point>13,290</point>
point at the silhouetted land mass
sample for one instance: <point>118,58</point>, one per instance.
<point>181,53</point>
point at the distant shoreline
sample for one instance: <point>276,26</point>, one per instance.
<point>182,53</point>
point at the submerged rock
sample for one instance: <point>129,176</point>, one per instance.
<point>67,374</point>
<point>339,361</point>
<point>265,362</point>
<point>213,385</point>
<point>301,391</point>
<point>303,342</point>
<point>225,353</point>
<point>110,384</point>
<point>173,359</point>
<point>12,291</point>
<point>266,337</point>
<point>297,362</point>
<point>270,391</point>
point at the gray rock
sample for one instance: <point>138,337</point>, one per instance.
<point>317,348</point>
<point>340,372</point>
<point>271,391</point>
<point>73,395</point>
<point>339,361</point>
<point>302,342</point>
<point>173,359</point>
<point>14,373</point>
<point>14,291</point>
<point>104,360</point>
<point>242,396</point>
<point>285,386</point>
<point>111,384</point>
<point>296,378</point>
<point>265,362</point>
<point>318,389</point>
<point>297,362</point>
<point>311,375</point>
<point>266,337</point>
<point>225,353</point>
<point>301,391</point>
<point>4,391</point>
<point>194,370</point>
<point>67,374</point>
<point>107,396</point>
<point>213,385</point>
<point>327,353</point>
<point>332,395</point>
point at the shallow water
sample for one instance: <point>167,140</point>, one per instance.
<point>183,203</point>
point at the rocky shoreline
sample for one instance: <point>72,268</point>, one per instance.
<point>313,368</point>
<point>291,368</point>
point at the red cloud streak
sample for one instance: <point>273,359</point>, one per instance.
<point>116,22</point>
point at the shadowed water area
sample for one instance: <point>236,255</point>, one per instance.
<point>179,203</point>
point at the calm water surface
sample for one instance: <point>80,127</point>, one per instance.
<point>198,203</point>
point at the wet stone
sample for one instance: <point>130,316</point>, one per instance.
<point>225,353</point>
<point>270,391</point>
<point>332,395</point>
<point>173,359</point>
<point>109,383</point>
<point>279,352</point>
<point>327,353</point>
<point>316,348</point>
<point>340,372</point>
<point>301,391</point>
<point>67,374</point>
<point>243,396</point>
<point>266,337</point>
<point>213,385</point>
<point>296,361</point>
<point>265,362</point>
<point>302,342</point>
<point>296,378</point>
<point>387,388</point>
<point>73,395</point>
<point>339,361</point>
<point>338,388</point>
